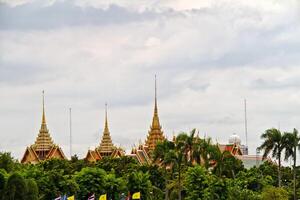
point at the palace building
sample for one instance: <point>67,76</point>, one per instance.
<point>43,148</point>
<point>106,147</point>
<point>143,152</point>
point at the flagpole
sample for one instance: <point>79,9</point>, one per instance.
<point>70,117</point>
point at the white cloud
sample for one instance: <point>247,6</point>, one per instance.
<point>208,57</point>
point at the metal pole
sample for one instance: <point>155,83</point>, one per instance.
<point>70,115</point>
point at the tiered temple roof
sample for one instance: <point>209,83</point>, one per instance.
<point>143,153</point>
<point>43,148</point>
<point>106,147</point>
<point>155,134</point>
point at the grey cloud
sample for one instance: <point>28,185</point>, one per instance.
<point>19,74</point>
<point>35,15</point>
<point>274,84</point>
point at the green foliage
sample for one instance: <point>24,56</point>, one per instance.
<point>90,180</point>
<point>32,191</point>
<point>15,188</point>
<point>156,175</point>
<point>197,184</point>
<point>52,181</point>
<point>139,182</point>
<point>114,186</point>
<point>252,179</point>
<point>219,188</point>
<point>7,162</point>
<point>273,193</point>
<point>186,168</point>
<point>238,193</point>
<point>274,143</point>
<point>226,164</point>
<point>2,184</point>
<point>121,166</point>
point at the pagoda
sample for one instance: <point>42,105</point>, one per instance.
<point>43,148</point>
<point>142,153</point>
<point>155,134</point>
<point>106,147</point>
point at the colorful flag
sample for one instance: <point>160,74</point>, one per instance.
<point>103,197</point>
<point>92,197</point>
<point>136,195</point>
<point>71,198</point>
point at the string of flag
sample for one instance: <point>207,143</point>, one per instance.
<point>136,195</point>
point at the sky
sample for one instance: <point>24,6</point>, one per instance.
<point>208,57</point>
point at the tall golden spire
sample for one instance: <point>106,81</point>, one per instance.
<point>106,130</point>
<point>43,141</point>
<point>155,133</point>
<point>106,145</point>
<point>155,119</point>
<point>43,117</point>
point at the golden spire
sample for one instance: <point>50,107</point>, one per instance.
<point>155,133</point>
<point>43,141</point>
<point>155,119</point>
<point>43,117</point>
<point>155,98</point>
<point>106,145</point>
<point>106,130</point>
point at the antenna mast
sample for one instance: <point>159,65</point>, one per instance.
<point>246,123</point>
<point>70,115</point>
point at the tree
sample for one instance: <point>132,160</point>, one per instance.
<point>188,146</point>
<point>7,162</point>
<point>178,156</point>
<point>292,141</point>
<point>157,178</point>
<point>32,192</point>
<point>163,157</point>
<point>15,188</point>
<point>114,186</point>
<point>197,183</point>
<point>252,179</point>
<point>273,193</point>
<point>2,184</point>
<point>90,181</point>
<point>225,164</point>
<point>273,142</point>
<point>238,193</point>
<point>139,182</point>
<point>121,166</point>
<point>202,150</point>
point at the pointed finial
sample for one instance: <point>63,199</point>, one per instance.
<point>106,122</point>
<point>44,117</point>
<point>155,108</point>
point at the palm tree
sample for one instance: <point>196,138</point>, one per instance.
<point>188,147</point>
<point>202,151</point>
<point>172,156</point>
<point>273,142</point>
<point>163,156</point>
<point>292,141</point>
<point>180,154</point>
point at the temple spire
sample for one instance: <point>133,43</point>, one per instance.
<point>155,99</point>
<point>44,141</point>
<point>155,120</point>
<point>106,130</point>
<point>43,117</point>
<point>155,133</point>
<point>106,145</point>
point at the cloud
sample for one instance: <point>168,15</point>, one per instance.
<point>40,16</point>
<point>208,58</point>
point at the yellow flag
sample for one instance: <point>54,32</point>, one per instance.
<point>136,195</point>
<point>102,197</point>
<point>71,198</point>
